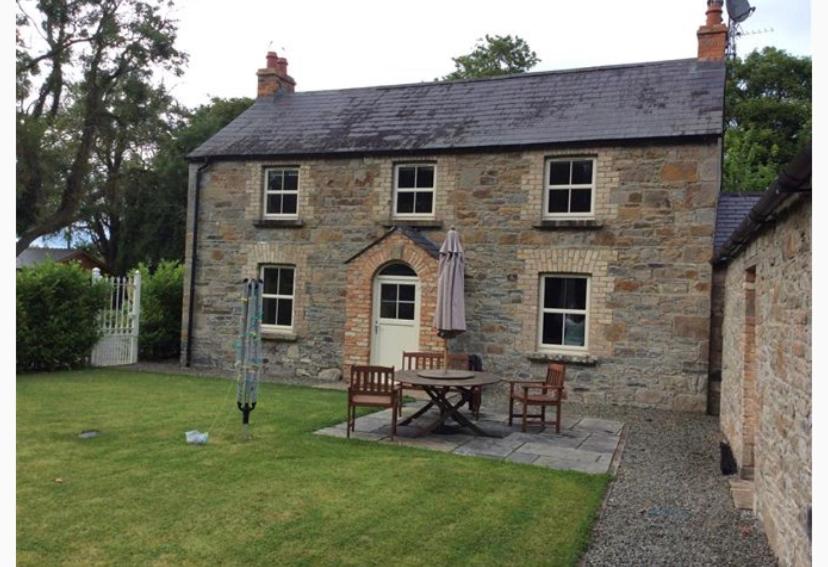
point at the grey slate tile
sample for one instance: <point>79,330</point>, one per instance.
<point>732,208</point>
<point>659,99</point>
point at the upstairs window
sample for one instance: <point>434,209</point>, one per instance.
<point>277,297</point>
<point>570,188</point>
<point>281,192</point>
<point>414,190</point>
<point>564,312</point>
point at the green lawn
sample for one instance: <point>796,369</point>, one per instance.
<point>138,495</point>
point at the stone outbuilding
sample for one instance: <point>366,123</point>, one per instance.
<point>35,255</point>
<point>585,200</point>
<point>764,269</point>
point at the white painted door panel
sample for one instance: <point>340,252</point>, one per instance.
<point>396,317</point>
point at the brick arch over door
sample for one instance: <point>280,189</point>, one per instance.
<point>360,275</point>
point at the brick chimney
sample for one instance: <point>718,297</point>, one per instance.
<point>713,34</point>
<point>274,78</point>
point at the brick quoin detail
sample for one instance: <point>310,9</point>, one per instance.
<point>359,296</point>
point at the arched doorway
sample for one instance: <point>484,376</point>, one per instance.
<point>395,314</point>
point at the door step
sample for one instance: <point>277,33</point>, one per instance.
<point>742,493</point>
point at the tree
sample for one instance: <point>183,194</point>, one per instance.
<point>493,56</point>
<point>87,54</point>
<point>128,140</point>
<point>767,116</point>
<point>143,217</point>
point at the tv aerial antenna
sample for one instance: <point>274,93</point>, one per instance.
<point>737,12</point>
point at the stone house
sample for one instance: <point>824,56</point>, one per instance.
<point>585,200</point>
<point>765,415</point>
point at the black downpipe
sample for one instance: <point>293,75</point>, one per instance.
<point>191,306</point>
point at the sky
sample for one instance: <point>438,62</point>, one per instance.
<point>332,45</point>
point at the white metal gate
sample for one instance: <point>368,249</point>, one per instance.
<point>119,321</point>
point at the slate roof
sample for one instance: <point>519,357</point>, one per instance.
<point>35,255</point>
<point>731,210</point>
<point>646,100</point>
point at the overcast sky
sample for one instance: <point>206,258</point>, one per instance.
<point>360,43</point>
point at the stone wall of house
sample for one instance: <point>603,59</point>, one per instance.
<point>647,251</point>
<point>766,393</point>
<point>714,373</point>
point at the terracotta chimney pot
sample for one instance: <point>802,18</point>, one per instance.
<point>273,77</point>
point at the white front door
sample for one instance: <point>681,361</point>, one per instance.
<point>396,317</point>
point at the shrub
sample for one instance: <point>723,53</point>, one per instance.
<point>161,300</point>
<point>57,309</point>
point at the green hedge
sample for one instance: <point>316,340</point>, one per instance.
<point>161,299</point>
<point>57,308</point>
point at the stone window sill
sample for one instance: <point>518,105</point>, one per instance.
<point>566,358</point>
<point>551,224</point>
<point>279,336</point>
<point>415,223</point>
<point>279,223</point>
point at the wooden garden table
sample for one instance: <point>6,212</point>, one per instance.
<point>438,389</point>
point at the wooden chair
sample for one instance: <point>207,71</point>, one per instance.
<point>420,361</point>
<point>373,386</point>
<point>550,392</point>
<point>434,360</point>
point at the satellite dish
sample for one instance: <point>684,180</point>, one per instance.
<point>739,10</point>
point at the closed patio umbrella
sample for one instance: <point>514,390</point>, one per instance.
<point>450,314</point>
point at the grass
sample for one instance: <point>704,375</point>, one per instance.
<point>138,495</point>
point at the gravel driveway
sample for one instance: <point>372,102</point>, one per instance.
<point>669,503</point>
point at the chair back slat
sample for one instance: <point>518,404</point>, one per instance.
<point>422,360</point>
<point>458,361</point>
<point>372,379</point>
<point>555,375</point>
<point>427,360</point>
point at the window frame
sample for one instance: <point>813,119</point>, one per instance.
<point>277,296</point>
<point>397,320</point>
<point>542,310</point>
<point>396,190</point>
<point>547,187</point>
<point>266,191</point>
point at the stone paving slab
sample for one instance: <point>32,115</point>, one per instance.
<point>487,447</point>
<point>600,443</point>
<point>596,425</point>
<point>584,444</point>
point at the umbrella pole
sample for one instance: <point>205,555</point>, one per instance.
<point>445,355</point>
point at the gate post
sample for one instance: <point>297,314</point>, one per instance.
<point>136,312</point>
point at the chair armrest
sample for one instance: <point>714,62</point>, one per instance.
<point>544,388</point>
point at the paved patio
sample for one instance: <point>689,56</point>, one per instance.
<point>584,444</point>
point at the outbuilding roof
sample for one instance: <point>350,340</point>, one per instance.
<point>35,255</point>
<point>731,210</point>
<point>662,99</point>
<point>792,185</point>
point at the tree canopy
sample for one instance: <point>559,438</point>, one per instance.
<point>767,116</point>
<point>101,143</point>
<point>493,56</point>
<point>87,95</point>
<point>143,219</point>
